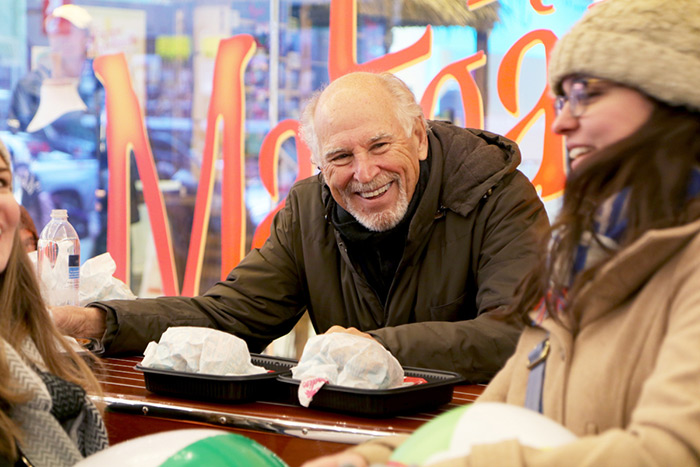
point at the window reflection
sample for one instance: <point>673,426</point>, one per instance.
<point>170,47</point>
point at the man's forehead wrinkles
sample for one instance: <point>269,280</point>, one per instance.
<point>367,141</point>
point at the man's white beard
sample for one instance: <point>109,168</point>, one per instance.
<point>380,221</point>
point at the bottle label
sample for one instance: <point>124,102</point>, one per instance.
<point>73,266</point>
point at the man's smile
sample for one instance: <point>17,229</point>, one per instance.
<point>375,193</point>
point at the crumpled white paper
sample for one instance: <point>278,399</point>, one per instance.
<point>345,360</point>
<point>96,280</point>
<point>98,283</point>
<point>200,350</point>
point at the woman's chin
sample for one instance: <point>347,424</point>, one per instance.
<point>574,163</point>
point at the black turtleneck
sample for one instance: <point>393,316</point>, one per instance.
<point>379,253</point>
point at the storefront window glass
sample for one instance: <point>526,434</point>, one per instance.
<point>479,64</point>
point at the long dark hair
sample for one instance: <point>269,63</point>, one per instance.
<point>655,165</point>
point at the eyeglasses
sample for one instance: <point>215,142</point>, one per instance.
<point>578,98</point>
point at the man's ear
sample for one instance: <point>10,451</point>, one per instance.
<point>421,132</point>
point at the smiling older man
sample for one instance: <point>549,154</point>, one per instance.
<point>413,235</point>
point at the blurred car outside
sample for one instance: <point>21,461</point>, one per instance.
<point>48,178</point>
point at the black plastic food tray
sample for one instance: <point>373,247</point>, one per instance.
<point>384,402</point>
<point>264,386</point>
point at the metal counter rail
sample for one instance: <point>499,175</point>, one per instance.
<point>131,410</point>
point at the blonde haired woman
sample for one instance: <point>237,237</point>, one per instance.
<point>46,418</point>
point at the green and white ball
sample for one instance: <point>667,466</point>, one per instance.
<point>186,448</point>
<point>452,434</point>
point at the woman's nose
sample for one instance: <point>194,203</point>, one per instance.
<point>564,122</point>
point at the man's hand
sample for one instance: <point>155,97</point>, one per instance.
<point>343,459</point>
<point>353,331</point>
<point>78,321</point>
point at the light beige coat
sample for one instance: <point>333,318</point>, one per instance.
<point>629,383</point>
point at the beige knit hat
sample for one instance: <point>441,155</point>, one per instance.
<point>650,45</point>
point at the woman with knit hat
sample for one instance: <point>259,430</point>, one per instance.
<point>611,350</point>
<point>46,417</point>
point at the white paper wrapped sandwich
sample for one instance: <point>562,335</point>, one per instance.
<point>200,350</point>
<point>345,360</point>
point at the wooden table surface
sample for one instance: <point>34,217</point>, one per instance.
<point>293,432</point>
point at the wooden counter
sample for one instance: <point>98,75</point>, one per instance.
<point>293,432</point>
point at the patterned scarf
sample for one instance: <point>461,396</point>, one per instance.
<point>609,225</point>
<point>60,424</point>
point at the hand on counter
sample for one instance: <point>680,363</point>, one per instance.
<point>343,459</point>
<point>79,321</point>
<point>353,331</point>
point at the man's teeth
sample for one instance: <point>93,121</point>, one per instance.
<point>377,192</point>
<point>578,152</point>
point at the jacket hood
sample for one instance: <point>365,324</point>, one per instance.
<point>474,161</point>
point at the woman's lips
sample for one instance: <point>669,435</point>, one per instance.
<point>578,153</point>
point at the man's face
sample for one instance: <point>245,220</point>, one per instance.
<point>369,161</point>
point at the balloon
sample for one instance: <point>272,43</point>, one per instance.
<point>435,436</point>
<point>185,448</point>
<point>453,433</point>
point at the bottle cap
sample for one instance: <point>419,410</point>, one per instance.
<point>59,213</point>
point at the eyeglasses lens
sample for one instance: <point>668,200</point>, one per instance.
<point>576,99</point>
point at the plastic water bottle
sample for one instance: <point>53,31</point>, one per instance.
<point>58,261</point>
